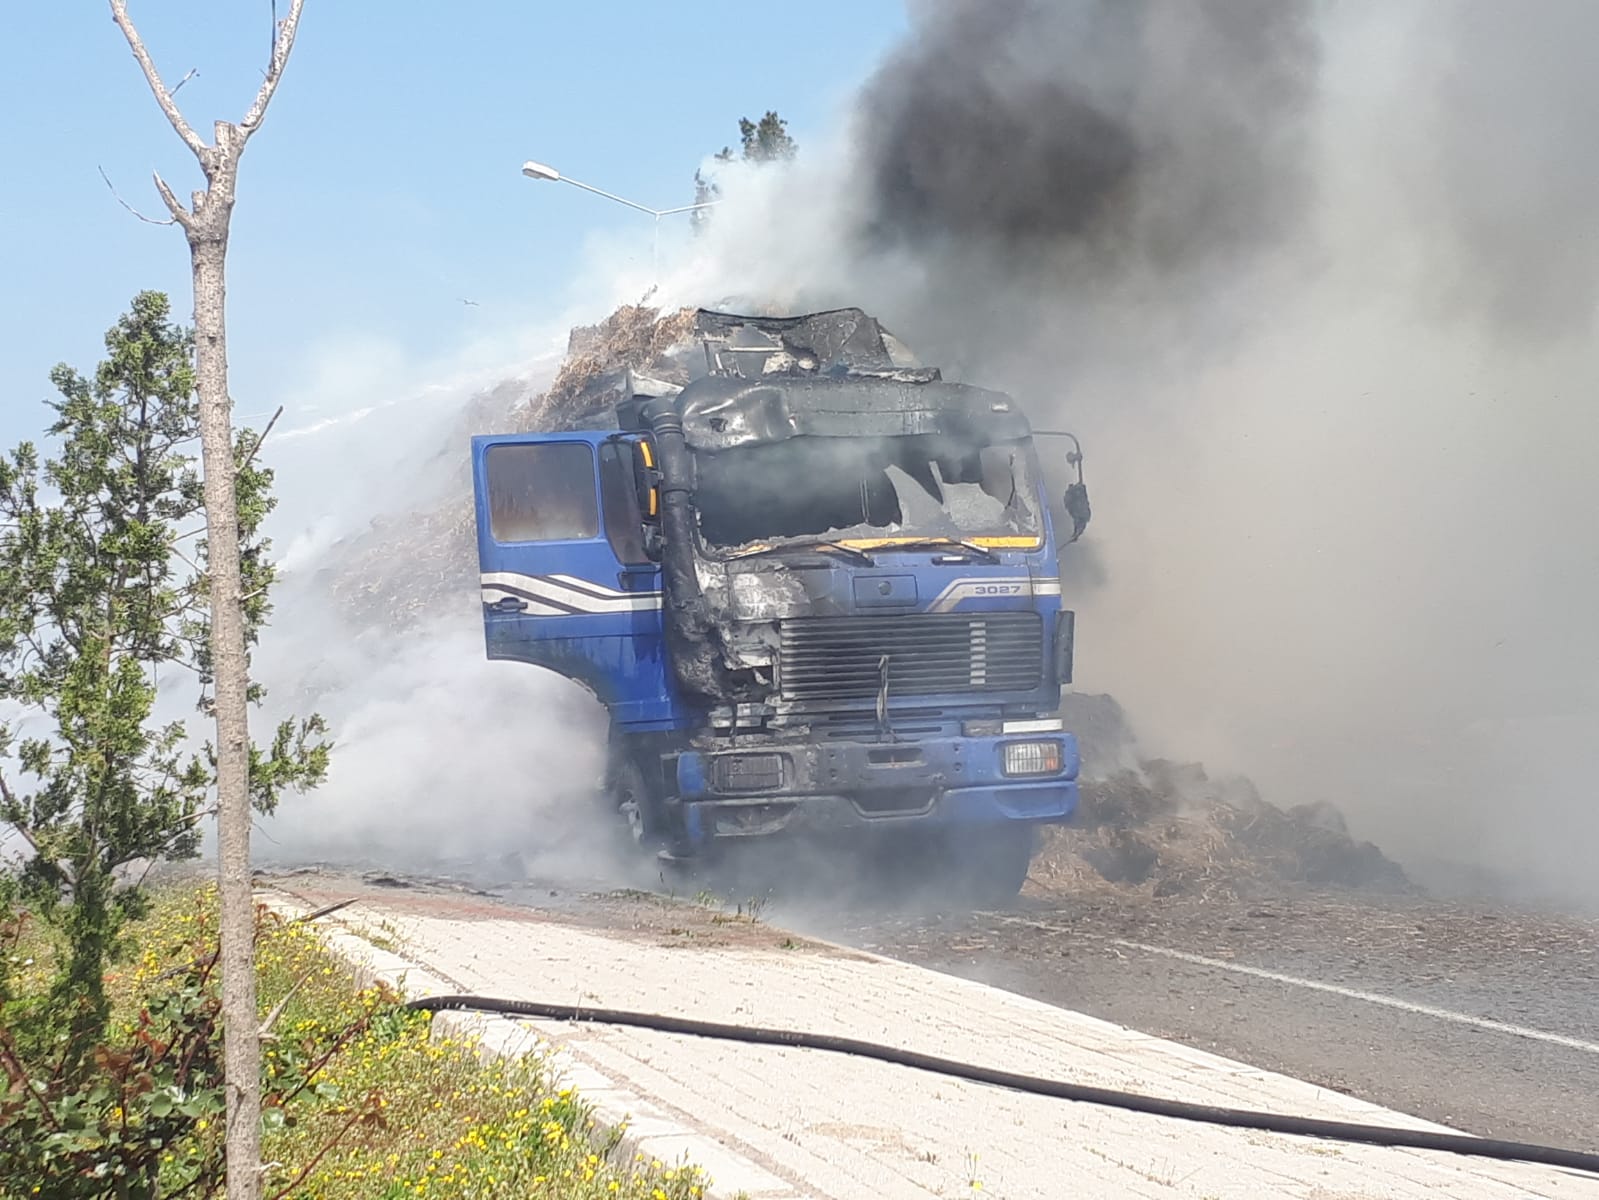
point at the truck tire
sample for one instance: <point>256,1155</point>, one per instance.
<point>989,864</point>
<point>646,827</point>
<point>632,801</point>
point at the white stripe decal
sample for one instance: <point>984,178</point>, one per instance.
<point>986,586</point>
<point>585,596</point>
<point>588,585</point>
<point>566,594</point>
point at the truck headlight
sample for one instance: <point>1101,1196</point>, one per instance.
<point>741,774</point>
<point>1031,758</point>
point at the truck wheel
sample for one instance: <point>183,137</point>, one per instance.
<point>990,865</point>
<point>646,822</point>
<point>632,800</point>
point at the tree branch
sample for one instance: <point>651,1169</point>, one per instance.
<point>193,566</point>
<point>187,667</point>
<point>358,1115</point>
<point>250,457</point>
<point>192,819</point>
<point>277,1009</point>
<point>11,803</point>
<point>174,206</point>
<point>12,1062</point>
<point>129,207</point>
<point>325,911</point>
<point>281,47</point>
<point>119,14</point>
<point>60,868</point>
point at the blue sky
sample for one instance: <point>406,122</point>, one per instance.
<point>384,186</point>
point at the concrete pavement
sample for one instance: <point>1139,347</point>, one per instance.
<point>778,1123</point>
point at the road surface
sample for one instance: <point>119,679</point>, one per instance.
<point>781,1123</point>
<point>1483,1018</point>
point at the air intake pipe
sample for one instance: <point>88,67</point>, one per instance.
<point>691,634</point>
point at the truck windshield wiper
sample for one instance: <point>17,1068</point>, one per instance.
<point>982,552</point>
<point>818,544</point>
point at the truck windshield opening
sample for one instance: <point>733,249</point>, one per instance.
<point>840,488</point>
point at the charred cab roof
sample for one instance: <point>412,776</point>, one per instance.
<point>719,414</point>
<point>831,374</point>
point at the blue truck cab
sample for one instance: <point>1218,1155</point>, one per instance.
<point>816,589</point>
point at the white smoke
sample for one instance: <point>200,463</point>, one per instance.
<point>1340,453</point>
<point>441,757</point>
<point>1341,469</point>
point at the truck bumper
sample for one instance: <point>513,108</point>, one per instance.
<point>754,789</point>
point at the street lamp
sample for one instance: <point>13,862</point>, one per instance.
<point>538,170</point>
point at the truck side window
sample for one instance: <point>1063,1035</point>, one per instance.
<point>541,493</point>
<point>623,525</point>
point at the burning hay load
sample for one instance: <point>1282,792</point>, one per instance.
<point>411,566</point>
<point>1168,829</point>
<point>1144,826</point>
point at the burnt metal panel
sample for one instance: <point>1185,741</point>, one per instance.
<point>884,591</point>
<point>719,414</point>
<point>841,658</point>
<point>748,345</point>
<point>829,374</point>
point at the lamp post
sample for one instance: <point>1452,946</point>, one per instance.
<point>538,170</point>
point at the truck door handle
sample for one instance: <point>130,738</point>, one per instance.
<point>509,604</point>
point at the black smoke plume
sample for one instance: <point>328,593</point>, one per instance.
<point>1100,134</point>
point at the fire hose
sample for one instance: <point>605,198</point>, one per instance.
<point>1182,1110</point>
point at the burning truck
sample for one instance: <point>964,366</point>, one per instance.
<point>816,587</point>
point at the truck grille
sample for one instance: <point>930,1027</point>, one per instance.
<point>836,658</point>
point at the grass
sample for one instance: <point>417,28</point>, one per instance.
<point>383,935</point>
<point>391,1112</point>
<point>746,912</point>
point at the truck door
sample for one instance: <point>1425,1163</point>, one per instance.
<point>565,579</point>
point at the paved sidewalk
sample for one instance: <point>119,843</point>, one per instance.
<point>784,1123</point>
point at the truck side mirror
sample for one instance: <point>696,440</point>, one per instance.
<point>647,481</point>
<point>1076,499</point>
<point>1077,508</point>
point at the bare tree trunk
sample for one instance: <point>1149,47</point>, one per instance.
<point>241,1045</point>
<point>206,224</point>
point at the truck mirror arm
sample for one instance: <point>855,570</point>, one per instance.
<point>1075,500</point>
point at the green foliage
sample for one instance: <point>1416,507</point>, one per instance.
<point>120,1129</point>
<point>361,1097</point>
<point>763,141</point>
<point>100,606</point>
<point>148,1120</point>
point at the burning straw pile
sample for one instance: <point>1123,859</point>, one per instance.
<point>409,566</point>
<point>1168,829</point>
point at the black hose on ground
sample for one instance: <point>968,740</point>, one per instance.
<point>1237,1118</point>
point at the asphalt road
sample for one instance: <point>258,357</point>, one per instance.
<point>1483,1018</point>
